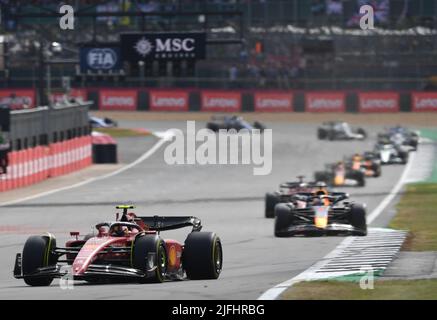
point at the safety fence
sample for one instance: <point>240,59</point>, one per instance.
<point>33,165</point>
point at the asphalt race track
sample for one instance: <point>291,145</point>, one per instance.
<point>228,199</point>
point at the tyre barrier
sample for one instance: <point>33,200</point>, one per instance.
<point>104,149</point>
<point>33,165</point>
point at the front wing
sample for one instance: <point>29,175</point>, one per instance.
<point>93,272</point>
<point>312,230</point>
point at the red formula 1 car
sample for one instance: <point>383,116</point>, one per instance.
<point>128,249</point>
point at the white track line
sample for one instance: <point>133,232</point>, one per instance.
<point>276,291</point>
<point>163,138</point>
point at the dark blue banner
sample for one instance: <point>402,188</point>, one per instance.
<point>105,58</point>
<point>167,46</point>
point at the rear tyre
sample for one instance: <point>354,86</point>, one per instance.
<point>283,220</point>
<point>362,132</point>
<point>359,177</point>
<point>37,253</point>
<point>321,134</point>
<point>148,246</point>
<point>271,200</point>
<point>212,126</point>
<point>404,157</point>
<point>203,256</point>
<point>357,218</point>
<point>321,176</point>
<point>259,125</point>
<point>377,169</point>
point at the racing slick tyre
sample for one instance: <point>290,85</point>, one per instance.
<point>37,253</point>
<point>272,199</point>
<point>359,177</point>
<point>283,220</point>
<point>376,168</point>
<point>321,134</point>
<point>203,256</point>
<point>362,132</point>
<point>213,126</point>
<point>322,176</point>
<point>143,248</point>
<point>259,125</point>
<point>357,218</point>
<point>404,156</point>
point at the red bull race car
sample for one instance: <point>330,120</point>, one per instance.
<point>284,194</point>
<point>127,249</point>
<point>320,213</point>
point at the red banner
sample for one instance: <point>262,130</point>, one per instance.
<point>273,102</point>
<point>325,102</point>
<point>424,101</point>
<point>18,98</point>
<point>168,100</point>
<point>74,93</point>
<point>118,100</point>
<point>378,102</point>
<point>221,101</point>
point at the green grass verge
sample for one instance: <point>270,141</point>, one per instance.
<point>431,134</point>
<point>383,290</point>
<point>416,212</point>
<point>122,132</point>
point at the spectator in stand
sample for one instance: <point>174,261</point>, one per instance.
<point>233,75</point>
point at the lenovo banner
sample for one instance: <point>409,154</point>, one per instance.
<point>163,46</point>
<point>221,101</point>
<point>424,101</point>
<point>168,100</point>
<point>118,100</point>
<point>273,102</point>
<point>17,98</point>
<point>378,102</point>
<point>79,94</point>
<point>325,102</point>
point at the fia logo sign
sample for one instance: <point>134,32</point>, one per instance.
<point>102,58</point>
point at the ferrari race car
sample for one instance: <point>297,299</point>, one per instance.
<point>338,130</point>
<point>366,163</point>
<point>390,153</point>
<point>128,249</point>
<point>340,175</point>
<point>401,136</point>
<point>284,194</point>
<point>232,122</point>
<point>320,213</point>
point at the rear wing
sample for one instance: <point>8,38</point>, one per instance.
<point>159,223</point>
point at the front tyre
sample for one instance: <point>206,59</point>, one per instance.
<point>37,253</point>
<point>144,249</point>
<point>203,256</point>
<point>283,220</point>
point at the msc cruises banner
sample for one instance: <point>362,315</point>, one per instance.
<point>163,46</point>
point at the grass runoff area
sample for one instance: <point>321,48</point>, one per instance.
<point>123,132</point>
<point>417,213</point>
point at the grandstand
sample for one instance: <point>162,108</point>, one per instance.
<point>272,44</point>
